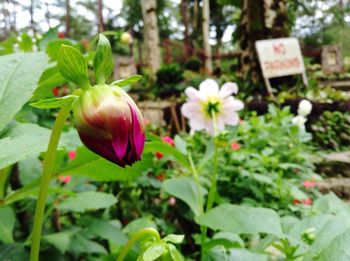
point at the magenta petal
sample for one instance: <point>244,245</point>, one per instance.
<point>120,139</point>
<point>138,134</point>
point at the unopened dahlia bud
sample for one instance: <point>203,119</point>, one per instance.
<point>110,124</point>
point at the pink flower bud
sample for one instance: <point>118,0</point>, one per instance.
<point>72,154</point>
<point>309,184</point>
<point>110,124</point>
<point>65,179</point>
<point>167,140</point>
<point>235,146</point>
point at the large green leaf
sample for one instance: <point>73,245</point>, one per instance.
<point>185,189</point>
<point>22,141</point>
<point>91,165</point>
<point>162,147</point>
<point>7,222</point>
<point>60,240</point>
<point>49,79</point>
<point>85,201</point>
<point>338,249</point>
<point>18,78</point>
<point>241,220</point>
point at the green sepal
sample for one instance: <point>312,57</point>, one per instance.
<point>127,81</point>
<point>55,102</point>
<point>72,66</point>
<point>103,61</point>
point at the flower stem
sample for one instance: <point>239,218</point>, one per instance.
<point>141,233</point>
<point>45,180</point>
<point>201,207</point>
<point>212,190</point>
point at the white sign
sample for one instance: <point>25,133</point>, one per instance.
<point>280,57</point>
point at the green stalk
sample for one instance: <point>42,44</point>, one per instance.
<point>195,176</point>
<point>212,190</point>
<point>45,181</point>
<point>136,237</point>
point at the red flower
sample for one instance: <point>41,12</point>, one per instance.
<point>309,184</point>
<point>60,35</point>
<point>65,179</point>
<point>235,146</point>
<point>307,201</point>
<point>72,154</point>
<point>56,91</point>
<point>167,140</point>
<point>296,201</point>
<point>161,177</point>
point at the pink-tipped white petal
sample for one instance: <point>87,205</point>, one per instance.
<point>228,89</point>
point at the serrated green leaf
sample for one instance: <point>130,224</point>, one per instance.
<point>185,189</point>
<point>154,251</point>
<point>174,253</point>
<point>162,147</point>
<point>7,223</point>
<point>50,78</point>
<point>72,66</point>
<point>93,166</point>
<point>55,102</point>
<point>54,46</point>
<point>338,249</point>
<point>241,220</point>
<point>127,81</point>
<point>26,43</point>
<point>103,61</point>
<point>60,240</point>
<point>172,238</point>
<point>85,201</point>
<point>22,140</point>
<point>18,78</point>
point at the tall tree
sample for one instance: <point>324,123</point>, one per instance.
<point>185,21</point>
<point>207,49</point>
<point>68,18</point>
<point>151,35</point>
<point>260,19</point>
<point>100,16</point>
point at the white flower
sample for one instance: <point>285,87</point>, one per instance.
<point>299,121</point>
<point>209,100</point>
<point>304,108</point>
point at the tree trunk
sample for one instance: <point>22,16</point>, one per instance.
<point>47,14</point>
<point>207,48</point>
<point>100,16</point>
<point>260,19</point>
<point>151,35</point>
<point>31,11</point>
<point>67,18</point>
<point>184,14</point>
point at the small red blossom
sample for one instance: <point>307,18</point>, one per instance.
<point>235,146</point>
<point>56,91</point>
<point>309,184</point>
<point>241,121</point>
<point>307,201</point>
<point>161,177</point>
<point>172,201</point>
<point>167,140</point>
<point>72,154</point>
<point>296,201</point>
<point>60,35</point>
<point>65,179</point>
